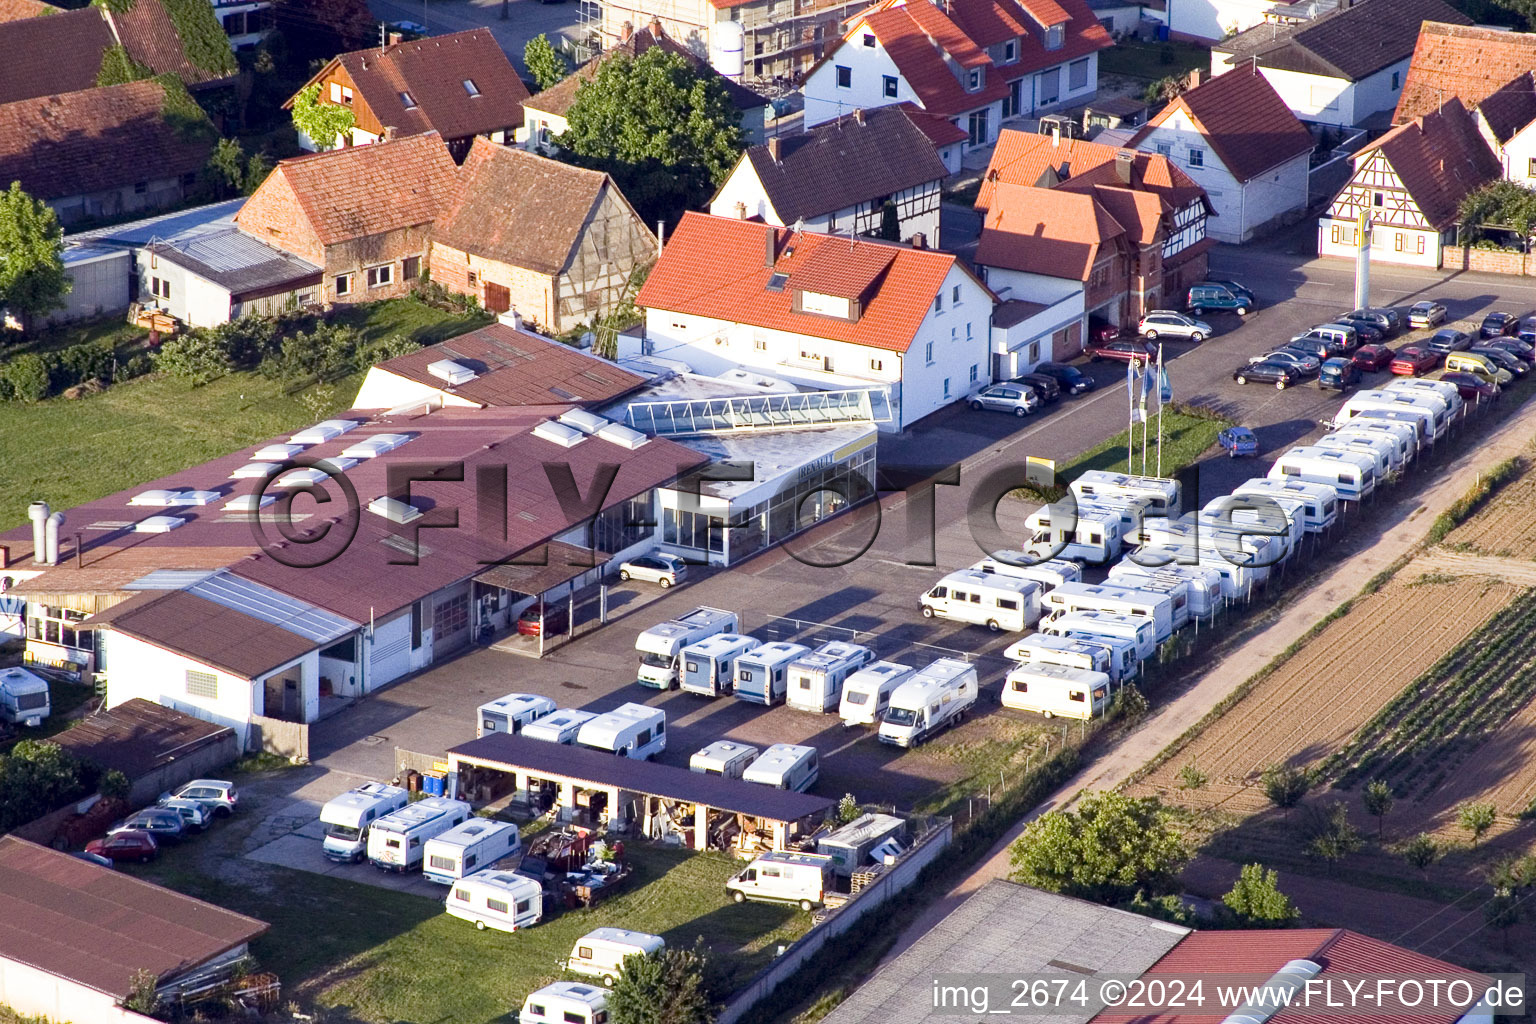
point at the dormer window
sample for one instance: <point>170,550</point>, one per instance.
<point>407,101</point>
<point>826,305</point>
<point>1054,37</point>
<point>973,80</point>
<point>777,281</point>
<point>1010,51</point>
<point>470,87</point>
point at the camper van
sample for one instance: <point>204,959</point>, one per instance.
<point>602,951</point>
<point>1384,451</point>
<point>347,818</point>
<point>510,713</point>
<point>24,697</point>
<point>867,693</point>
<point>803,879</point>
<point>1431,413</point>
<point>397,841</point>
<point>1351,474</point>
<point>851,845</point>
<point>1067,530</point>
<point>1417,420</point>
<point>1050,572</point>
<point>726,758</point>
<point>661,646</point>
<point>1049,649</point>
<point>1429,385</point>
<point>1402,436</point>
<point>561,727</point>
<point>785,766</point>
<point>1159,495</point>
<point>710,664</point>
<point>762,674</point>
<point>984,599</point>
<point>470,847</point>
<point>1253,524</point>
<point>816,679</point>
<point>1055,690</point>
<point>565,1002</point>
<point>1088,625</point>
<point>1204,583</point>
<point>1116,600</point>
<point>932,700</point>
<point>502,900</point>
<point>1320,502</point>
<point>629,730</point>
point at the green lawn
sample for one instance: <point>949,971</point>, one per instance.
<point>1152,60</point>
<point>113,329</point>
<point>1185,438</point>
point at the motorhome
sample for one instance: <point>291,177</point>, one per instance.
<point>1172,587</point>
<point>726,758</point>
<point>762,674</point>
<point>1401,435</point>
<point>816,679</point>
<point>1068,530</point>
<point>803,879</point>
<point>785,766</point>
<point>1205,595</point>
<point>1050,572</point>
<point>565,1002</point>
<point>851,845</point>
<point>470,847</point>
<point>1160,496</point>
<point>984,599</point>
<point>934,699</point>
<point>1050,649</point>
<point>629,730</point>
<point>510,713</point>
<point>502,900</point>
<point>602,951</point>
<point>561,727</point>
<point>1449,393</point>
<point>1082,625</point>
<point>1351,474</point>
<point>709,666</point>
<point>867,693</point>
<point>1383,451</point>
<point>1320,502</point>
<point>24,697</point>
<point>1417,420</point>
<point>396,841</point>
<point>347,818</point>
<point>661,646</point>
<point>1429,409</point>
<point>1258,519</point>
<point>1057,691</point>
<point>1116,600</point>
<point>1243,554</point>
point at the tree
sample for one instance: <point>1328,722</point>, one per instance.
<point>1129,704</point>
<point>1335,838</point>
<point>141,997</point>
<point>1502,911</point>
<point>848,809</point>
<point>666,131</point>
<point>664,988</point>
<point>322,122</point>
<point>113,785</point>
<point>1192,777</point>
<point>1284,785</point>
<point>1107,850</point>
<point>1378,802</point>
<point>1477,819</point>
<point>32,278</point>
<point>27,377</point>
<point>890,221</point>
<point>326,27</point>
<point>544,62</point>
<point>1256,899</point>
<point>1421,851</point>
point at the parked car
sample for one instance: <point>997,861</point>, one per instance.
<point>1070,378</point>
<point>1371,358</point>
<point>1100,329</point>
<point>1219,295</point>
<point>1281,375</point>
<point>1516,347</point>
<point>1526,329</point>
<point>1318,348</point>
<point>1426,314</point>
<point>93,858</point>
<point>1165,323</point>
<point>1384,319</point>
<point>1448,340</point>
<point>139,846</point>
<point>1305,363</point>
<point>1498,325</point>
<point>1044,384</point>
<point>1504,358</point>
<point>161,822</point>
<point>195,816</point>
<point>1238,441</point>
<point>215,793</point>
<point>656,567</point>
<point>1338,374</point>
<point>1122,349</point>
<point>547,619</point>
<point>1471,387</point>
<point>1014,398</point>
<point>1412,360</point>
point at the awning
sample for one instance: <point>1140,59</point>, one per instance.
<point>561,563</point>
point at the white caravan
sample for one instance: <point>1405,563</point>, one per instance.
<point>1116,600</point>
<point>1256,522</point>
<point>602,951</point>
<point>1204,582</point>
<point>723,757</point>
<point>816,679</point>
<point>1384,452</point>
<point>934,699</point>
<point>984,599</point>
<point>1434,420</point>
<point>1351,474</point>
<point>396,841</point>
<point>1320,502</point>
<point>867,693</point>
<point>470,847</point>
<point>502,900</point>
<point>629,730</point>
<point>1158,496</point>
<point>1417,420</point>
<point>1176,590</point>
<point>347,818</point>
<point>803,879</point>
<point>1085,625</point>
<point>511,713</point>
<point>561,727</point>
<point>710,664</point>
<point>565,1002</point>
<point>1051,572</point>
<point>24,697</point>
<point>1067,530</point>
<point>1115,655</point>
<point>1402,435</point>
<point>661,646</point>
<point>785,766</point>
<point>762,674</point>
<point>1055,690</point>
<point>1445,390</point>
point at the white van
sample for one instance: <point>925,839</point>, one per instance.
<point>816,679</point>
<point>1384,452</point>
<point>785,766</point>
<point>510,713</point>
<point>984,599</point>
<point>601,952</point>
<point>1067,530</point>
<point>1320,502</point>
<point>723,757</point>
<point>502,900</point>
<point>1351,474</point>
<point>1051,572</point>
<point>470,847</point>
<point>762,674</point>
<point>1402,435</point>
<point>710,664</point>
<point>932,700</point>
<point>561,727</point>
<point>1053,690</point>
<point>867,693</point>
<point>348,817</point>
<point>565,1002</point>
<point>661,646</point>
<point>1088,625</point>
<point>1204,582</point>
<point>629,730</point>
<point>396,841</point>
<point>800,878</point>
<point>1116,600</point>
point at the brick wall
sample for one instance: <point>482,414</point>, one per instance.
<point>273,214</point>
<point>532,293</point>
<point>1489,261</point>
<point>355,257</point>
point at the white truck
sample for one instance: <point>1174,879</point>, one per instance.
<point>785,766</point>
<point>726,758</point>
<point>469,847</point>
<point>933,699</point>
<point>803,879</point>
<point>397,841</point>
<point>867,693</point>
<point>1055,690</point>
<point>762,674</point>
<point>984,599</point>
<point>661,646</point>
<point>562,726</point>
<point>503,900</point>
<point>348,817</point>
<point>511,713</point>
<point>816,679</point>
<point>602,951</point>
<point>629,730</point>
<point>565,1002</point>
<point>24,697</point>
<point>709,666</point>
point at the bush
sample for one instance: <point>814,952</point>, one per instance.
<point>1284,785</point>
<point>114,785</point>
<point>327,351</point>
<point>28,377</point>
<point>80,363</point>
<point>197,357</point>
<point>1255,900</point>
<point>37,777</point>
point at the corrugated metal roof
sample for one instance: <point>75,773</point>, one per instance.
<point>138,736</point>
<point>234,260</point>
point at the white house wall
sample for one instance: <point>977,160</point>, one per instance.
<point>32,992</point>
<point>826,101</point>
<point>744,187</point>
<point>1015,284</point>
<point>1398,245</point>
<point>1215,19</point>
<point>383,389</point>
<point>1517,156</point>
<point>1034,100</point>
<point>98,286</point>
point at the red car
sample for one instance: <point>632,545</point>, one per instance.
<point>1101,330</point>
<point>1411,360</point>
<point>1472,387</point>
<point>132,845</point>
<point>533,621</point>
<point>1370,358</point>
<point>1124,349</point>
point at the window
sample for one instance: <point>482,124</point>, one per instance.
<point>1530,167</point>
<point>877,364</point>
<point>1196,157</point>
<point>938,303</point>
<point>869,39</point>
<point>928,353</point>
<point>946,387</point>
<point>343,284</point>
<point>56,625</point>
<point>760,345</point>
<point>973,373</point>
<point>954,296</point>
<point>973,79</point>
<point>1009,603</point>
<point>1077,74</point>
<point>968,330</point>
<point>500,906</point>
<point>888,83</point>
<point>470,87</point>
<point>378,277</point>
<point>1010,51</point>
<point>416,626</point>
<point>462,895</point>
<point>1378,199</point>
<point>452,615</point>
<point>407,101</point>
<point>1396,79</point>
<point>335,92</point>
<point>523,905</point>
<point>535,1009</point>
<point>1077,695</point>
<point>1335,234</point>
<point>1421,245</point>
<point>1034,351</point>
<point>584,952</point>
<point>410,268</point>
<point>1164,149</point>
<point>160,287</point>
<point>844,77</point>
<point>1047,87</point>
<point>474,279</point>
<point>442,863</point>
<point>1054,37</point>
<point>202,684</point>
<point>1399,241</point>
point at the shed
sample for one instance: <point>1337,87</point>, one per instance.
<point>157,747</point>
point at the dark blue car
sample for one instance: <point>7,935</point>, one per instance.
<point>1338,374</point>
<point>1238,441</point>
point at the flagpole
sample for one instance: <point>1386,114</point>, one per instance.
<point>1130,416</point>
<point>1160,410</point>
<point>1146,374</point>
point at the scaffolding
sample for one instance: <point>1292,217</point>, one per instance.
<point>753,413</point>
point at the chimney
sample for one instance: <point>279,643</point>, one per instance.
<point>858,115</point>
<point>395,38</point>
<point>52,527</point>
<point>1125,161</point>
<point>390,131</point>
<point>741,211</point>
<point>661,236</point>
<point>1195,78</point>
<point>626,32</point>
<point>38,513</point>
<point>919,240</point>
<point>770,245</point>
<point>775,149</point>
<point>657,32</point>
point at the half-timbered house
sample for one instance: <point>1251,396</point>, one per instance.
<point>1409,184</point>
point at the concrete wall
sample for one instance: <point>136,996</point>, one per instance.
<point>140,669</point>
<point>1215,19</point>
<point>100,286</point>
<point>33,992</point>
<point>275,736</point>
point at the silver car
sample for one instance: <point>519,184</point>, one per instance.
<point>195,815</point>
<point>215,794</point>
<point>1166,323</point>
<point>655,568</point>
<point>1304,363</point>
<point>1014,398</point>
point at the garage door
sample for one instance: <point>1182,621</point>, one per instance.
<point>390,652</point>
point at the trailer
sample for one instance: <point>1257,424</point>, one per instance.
<point>725,758</point>
<point>1050,649</point>
<point>1320,502</point>
<point>762,674</point>
<point>1262,521</point>
<point>629,730</point>
<point>934,699</point>
<point>472,846</point>
<point>510,713</point>
<point>503,900</point>
<point>347,818</point>
<point>1401,436</point>
<point>661,646</point>
<point>1049,572</point>
<point>1417,420</point>
<point>1158,496</point>
<point>1433,418</point>
<point>1351,474</point>
<point>1115,600</point>
<point>816,679</point>
<point>1383,451</point>
<point>793,766</point>
<point>1055,690</point>
<point>396,841</point>
<point>24,697</point>
<point>867,693</point>
<point>984,599</point>
<point>1445,390</point>
<point>601,952</point>
<point>710,664</point>
<point>565,1002</point>
<point>1067,530</point>
<point>1089,625</point>
<point>1205,594</point>
<point>562,726</point>
<point>849,847</point>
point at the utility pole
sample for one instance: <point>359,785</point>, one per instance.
<point>1363,258</point>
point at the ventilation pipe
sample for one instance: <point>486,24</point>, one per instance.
<point>55,523</point>
<point>38,513</point>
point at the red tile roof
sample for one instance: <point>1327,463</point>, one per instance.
<point>923,67</point>
<point>951,38</point>
<point>718,267</point>
<point>1463,61</point>
<point>15,10</point>
<point>1511,108</point>
<point>941,131</point>
<point>1140,213</point>
<point>149,35</point>
<point>1249,127</point>
<point>1045,231</point>
<point>845,272</point>
<point>1440,158</point>
<point>992,22</point>
<point>53,54</point>
<point>1024,158</point>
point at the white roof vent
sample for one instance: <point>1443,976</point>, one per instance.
<point>559,433</point>
<point>452,372</point>
<point>159,524</point>
<point>277,452</point>
<point>395,510</point>
<point>624,437</point>
<point>249,502</point>
<point>323,432</point>
<point>254,470</point>
<point>159,499</point>
<point>199,497</point>
<point>586,422</point>
<point>378,444</point>
<point>301,478</point>
<point>340,463</point>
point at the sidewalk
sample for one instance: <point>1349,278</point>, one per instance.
<point>1168,722</point>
